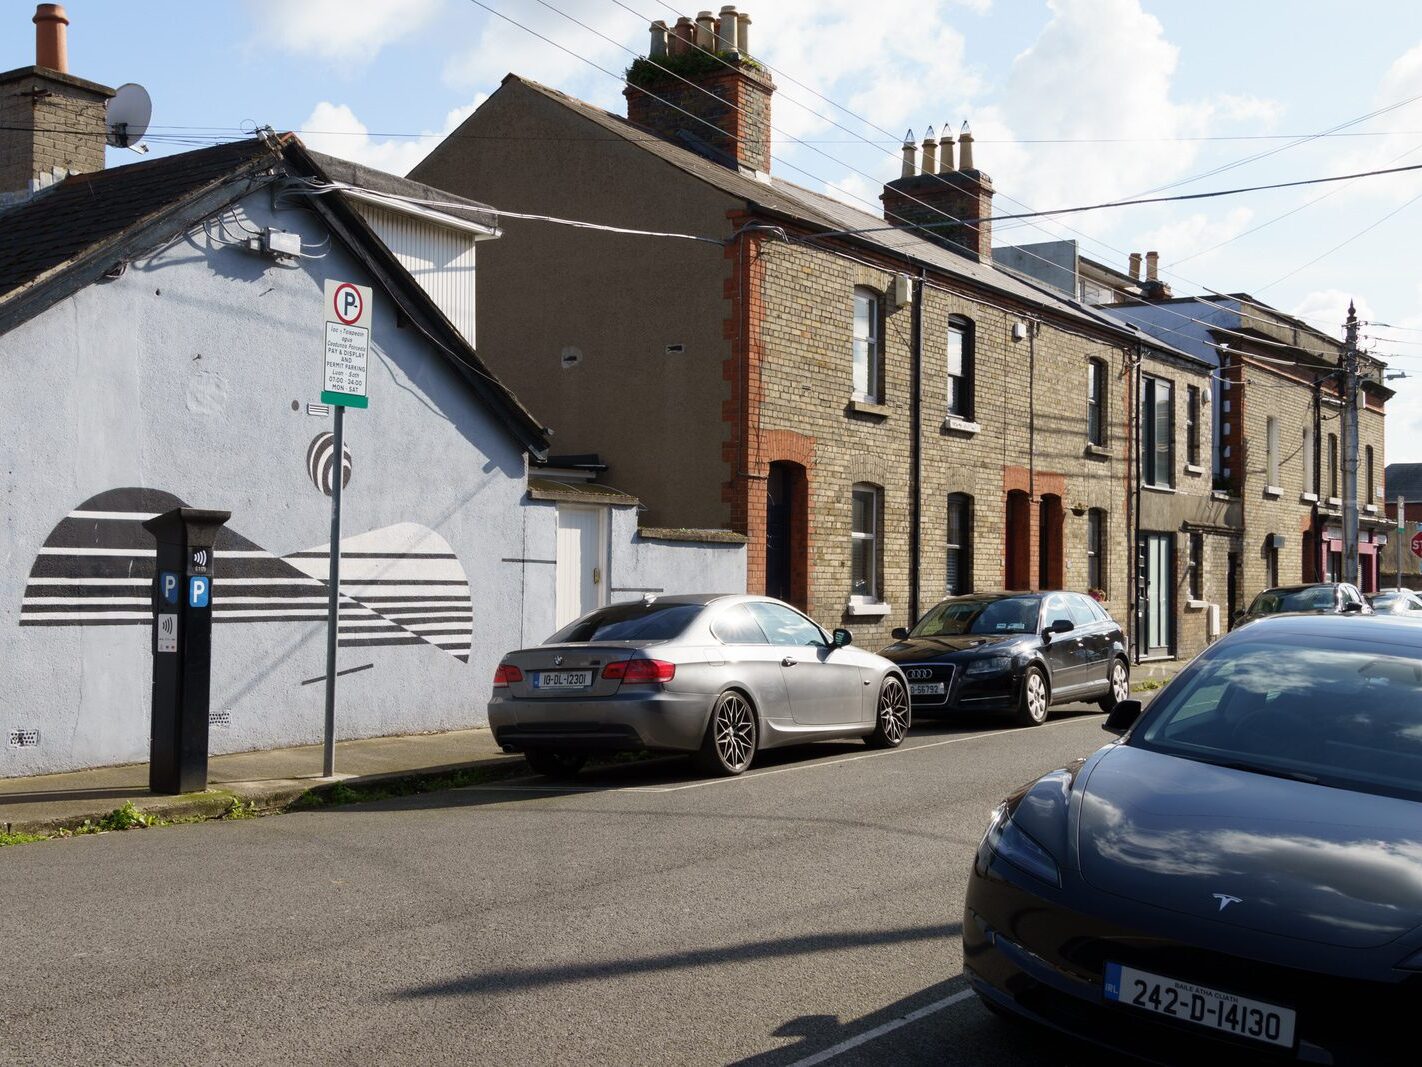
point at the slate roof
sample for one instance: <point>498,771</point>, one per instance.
<point>822,212</point>
<point>55,226</point>
<point>68,235</point>
<point>1403,480</point>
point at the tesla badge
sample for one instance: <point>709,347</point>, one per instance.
<point>1226,900</point>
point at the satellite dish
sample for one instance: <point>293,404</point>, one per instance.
<point>129,112</point>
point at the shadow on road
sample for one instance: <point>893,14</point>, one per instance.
<point>518,979</point>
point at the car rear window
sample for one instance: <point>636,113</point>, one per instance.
<point>1310,598</point>
<point>1341,713</point>
<point>629,622</point>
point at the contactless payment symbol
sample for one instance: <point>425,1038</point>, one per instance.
<point>168,584</point>
<point>198,590</point>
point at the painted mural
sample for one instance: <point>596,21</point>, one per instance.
<point>400,584</point>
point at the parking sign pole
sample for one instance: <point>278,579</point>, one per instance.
<point>333,610</point>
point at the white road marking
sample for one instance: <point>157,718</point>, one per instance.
<point>879,1031</point>
<point>753,775</point>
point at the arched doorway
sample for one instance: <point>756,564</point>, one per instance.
<point>787,533</point>
<point>1049,542</point>
<point>1018,545</point>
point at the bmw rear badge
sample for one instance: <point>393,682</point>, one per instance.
<point>557,661</point>
<point>1226,900</point>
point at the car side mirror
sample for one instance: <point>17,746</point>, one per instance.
<point>1351,608</point>
<point>843,637</point>
<point>1059,626</point>
<point>899,633</point>
<point>1123,716</point>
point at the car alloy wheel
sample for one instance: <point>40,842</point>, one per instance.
<point>1032,708</point>
<point>892,718</point>
<point>1119,686</point>
<point>731,736</point>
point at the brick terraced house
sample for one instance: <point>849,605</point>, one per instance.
<point>888,414</point>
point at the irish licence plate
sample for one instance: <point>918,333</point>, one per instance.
<point>925,689</point>
<point>562,679</point>
<point>1197,1004</point>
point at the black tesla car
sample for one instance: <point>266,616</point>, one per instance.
<point>1239,876</point>
<point>1014,652</point>
<point>1322,598</point>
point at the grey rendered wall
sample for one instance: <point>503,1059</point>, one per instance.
<point>184,375</point>
<point>641,566</point>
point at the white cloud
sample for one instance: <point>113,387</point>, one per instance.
<point>335,130</point>
<point>1323,307</point>
<point>349,30</point>
<point>1248,108</point>
<point>1195,235</point>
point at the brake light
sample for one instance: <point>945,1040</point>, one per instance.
<point>640,670</point>
<point>505,674</point>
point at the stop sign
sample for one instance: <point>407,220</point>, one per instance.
<point>1417,543</point>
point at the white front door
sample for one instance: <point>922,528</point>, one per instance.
<point>581,561</point>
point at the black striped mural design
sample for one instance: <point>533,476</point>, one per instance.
<point>400,584</point>
<point>321,462</point>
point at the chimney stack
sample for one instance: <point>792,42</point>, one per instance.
<point>930,152</point>
<point>52,124</point>
<point>1153,288</point>
<point>1134,269</point>
<point>724,114</point>
<point>952,207</point>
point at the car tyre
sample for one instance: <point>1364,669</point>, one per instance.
<point>555,762</point>
<point>1119,686</point>
<point>732,735</point>
<point>1034,699</point>
<point>893,715</point>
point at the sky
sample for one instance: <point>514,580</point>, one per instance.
<point>1069,101</point>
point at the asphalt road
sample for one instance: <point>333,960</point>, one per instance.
<point>806,912</point>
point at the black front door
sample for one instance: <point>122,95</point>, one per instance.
<point>779,508</point>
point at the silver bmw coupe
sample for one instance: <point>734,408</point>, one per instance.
<point>720,676</point>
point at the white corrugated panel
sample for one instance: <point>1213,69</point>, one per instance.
<point>441,259</point>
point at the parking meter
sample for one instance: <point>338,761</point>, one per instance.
<point>182,647</point>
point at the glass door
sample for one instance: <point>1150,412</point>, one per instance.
<point>1156,555</point>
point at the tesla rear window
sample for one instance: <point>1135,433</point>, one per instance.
<point>629,622</point>
<point>1343,714</point>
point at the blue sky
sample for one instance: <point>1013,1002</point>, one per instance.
<point>1132,85</point>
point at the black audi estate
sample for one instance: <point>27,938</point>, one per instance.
<point>1013,652</point>
<point>1238,878</point>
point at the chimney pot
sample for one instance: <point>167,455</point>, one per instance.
<point>706,31</point>
<point>945,150</point>
<point>682,35</point>
<point>726,30</point>
<point>930,152</point>
<point>910,167</point>
<point>51,37</point>
<point>743,22</point>
<point>659,40</point>
<point>965,148</point>
<point>1152,266</point>
<point>1134,268</point>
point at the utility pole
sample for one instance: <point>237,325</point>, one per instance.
<point>1349,366</point>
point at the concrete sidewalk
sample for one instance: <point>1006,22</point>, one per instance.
<point>262,780</point>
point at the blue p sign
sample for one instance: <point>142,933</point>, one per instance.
<point>168,582</point>
<point>198,589</point>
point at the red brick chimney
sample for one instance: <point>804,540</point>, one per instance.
<point>949,205</point>
<point>52,124</point>
<point>724,111</point>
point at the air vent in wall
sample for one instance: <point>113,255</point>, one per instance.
<point>24,738</point>
<point>219,718</point>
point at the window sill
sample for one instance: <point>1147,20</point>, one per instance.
<point>1334,502</point>
<point>1371,509</point>
<point>1308,498</point>
<point>1196,605</point>
<point>867,609</point>
<point>871,408</point>
<point>1220,494</point>
<point>1097,451</point>
<point>1194,469</point>
<point>1158,488</point>
<point>1273,491</point>
<point>953,424</point>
